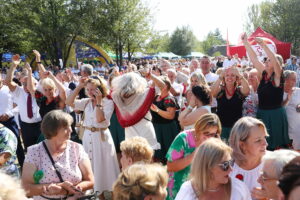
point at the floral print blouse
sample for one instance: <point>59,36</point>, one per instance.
<point>182,146</point>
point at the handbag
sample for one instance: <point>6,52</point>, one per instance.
<point>79,125</point>
<point>93,196</point>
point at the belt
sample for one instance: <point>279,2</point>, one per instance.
<point>94,129</point>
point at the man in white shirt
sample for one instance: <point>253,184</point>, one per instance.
<point>210,77</point>
<point>177,88</point>
<point>7,117</point>
<point>29,116</point>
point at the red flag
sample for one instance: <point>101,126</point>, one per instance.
<point>227,46</point>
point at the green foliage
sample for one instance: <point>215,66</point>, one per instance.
<point>280,18</point>
<point>217,53</point>
<point>182,41</point>
<point>212,39</point>
<point>158,43</point>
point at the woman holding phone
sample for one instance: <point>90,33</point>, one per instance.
<point>97,140</point>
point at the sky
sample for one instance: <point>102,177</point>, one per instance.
<point>202,16</point>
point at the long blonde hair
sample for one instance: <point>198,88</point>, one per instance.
<point>207,156</point>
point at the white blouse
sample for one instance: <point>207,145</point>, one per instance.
<point>239,191</point>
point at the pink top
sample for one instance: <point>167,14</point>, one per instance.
<point>67,163</point>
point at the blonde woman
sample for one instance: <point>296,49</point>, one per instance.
<point>248,141</point>
<point>196,79</point>
<point>141,182</point>
<point>134,150</point>
<point>97,140</point>
<point>209,178</point>
<point>181,151</point>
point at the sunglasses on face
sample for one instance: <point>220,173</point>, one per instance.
<point>215,135</point>
<point>225,165</point>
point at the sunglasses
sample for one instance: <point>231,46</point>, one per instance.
<point>215,135</point>
<point>225,165</point>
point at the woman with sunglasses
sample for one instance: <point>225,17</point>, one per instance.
<point>182,150</point>
<point>97,140</point>
<point>270,94</point>
<point>209,178</point>
<point>248,141</point>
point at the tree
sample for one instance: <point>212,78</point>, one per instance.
<point>123,24</point>
<point>280,18</point>
<point>158,43</point>
<point>212,39</point>
<point>52,25</point>
<point>182,41</point>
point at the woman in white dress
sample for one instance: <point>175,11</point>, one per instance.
<point>209,178</point>
<point>292,106</point>
<point>97,140</point>
<point>248,141</point>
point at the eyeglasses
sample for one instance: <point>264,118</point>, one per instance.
<point>226,164</point>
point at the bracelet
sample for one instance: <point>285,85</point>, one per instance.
<point>157,110</point>
<point>99,105</point>
<point>38,62</point>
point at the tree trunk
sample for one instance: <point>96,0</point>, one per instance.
<point>128,51</point>
<point>66,57</point>
<point>117,55</point>
<point>1,55</point>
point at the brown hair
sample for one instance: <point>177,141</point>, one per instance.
<point>53,121</point>
<point>100,84</point>
<point>206,121</point>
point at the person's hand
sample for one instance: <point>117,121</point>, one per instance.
<point>37,55</point>
<point>67,185</point>
<point>236,72</point>
<point>4,117</point>
<point>98,95</point>
<point>258,193</point>
<point>259,41</point>
<point>82,82</point>
<point>16,60</point>
<point>52,189</point>
<point>222,74</point>
<point>154,108</point>
<point>244,37</point>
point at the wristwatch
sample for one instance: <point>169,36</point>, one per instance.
<point>99,105</point>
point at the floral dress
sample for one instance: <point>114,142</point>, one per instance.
<point>183,145</point>
<point>8,144</point>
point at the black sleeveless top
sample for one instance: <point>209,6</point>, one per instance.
<point>44,107</point>
<point>230,110</point>
<point>270,96</point>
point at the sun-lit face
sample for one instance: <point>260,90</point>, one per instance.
<point>219,175</point>
<point>171,76</point>
<point>91,89</point>
<point>291,81</point>
<point>125,161</point>
<point>256,144</point>
<point>194,81</point>
<point>64,133</point>
<point>48,91</point>
<point>230,77</point>
<point>210,132</point>
<point>205,65</point>
<point>252,78</point>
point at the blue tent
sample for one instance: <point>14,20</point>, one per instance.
<point>6,57</point>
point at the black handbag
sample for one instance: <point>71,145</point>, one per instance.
<point>93,196</point>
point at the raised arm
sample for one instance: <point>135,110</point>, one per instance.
<point>216,88</point>
<point>271,55</point>
<point>59,86</point>
<point>38,61</point>
<point>15,61</point>
<point>71,98</point>
<point>245,90</point>
<point>253,57</point>
<point>30,82</point>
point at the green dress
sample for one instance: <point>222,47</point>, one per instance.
<point>183,145</point>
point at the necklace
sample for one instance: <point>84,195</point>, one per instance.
<point>214,190</point>
<point>229,93</point>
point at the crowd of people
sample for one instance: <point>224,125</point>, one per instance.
<point>153,129</point>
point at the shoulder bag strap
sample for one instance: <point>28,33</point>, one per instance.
<point>53,163</point>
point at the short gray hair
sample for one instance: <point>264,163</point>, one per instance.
<point>240,133</point>
<point>87,68</point>
<point>279,159</point>
<point>287,74</point>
